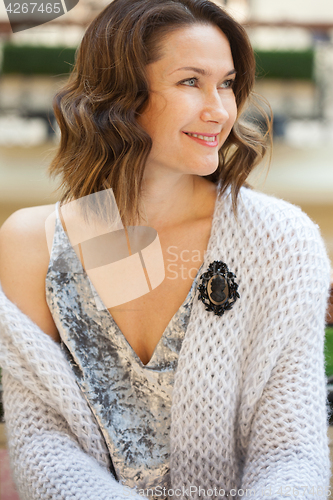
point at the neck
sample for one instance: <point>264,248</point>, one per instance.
<point>169,200</point>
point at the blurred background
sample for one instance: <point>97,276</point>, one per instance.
<point>293,43</point>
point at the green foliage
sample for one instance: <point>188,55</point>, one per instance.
<point>1,406</point>
<point>40,60</point>
<point>37,60</point>
<point>329,351</point>
<point>288,65</point>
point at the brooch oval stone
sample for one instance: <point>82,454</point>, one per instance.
<point>218,290</point>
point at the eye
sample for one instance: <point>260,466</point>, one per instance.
<point>192,81</point>
<point>228,84</point>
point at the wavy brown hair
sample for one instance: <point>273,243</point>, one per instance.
<point>102,145</point>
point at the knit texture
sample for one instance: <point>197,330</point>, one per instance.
<point>249,399</point>
<point>56,448</point>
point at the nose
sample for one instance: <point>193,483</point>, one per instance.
<point>214,108</point>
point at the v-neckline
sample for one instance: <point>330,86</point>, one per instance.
<point>106,312</point>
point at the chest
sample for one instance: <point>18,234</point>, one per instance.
<point>143,321</point>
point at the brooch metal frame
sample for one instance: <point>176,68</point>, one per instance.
<point>219,272</point>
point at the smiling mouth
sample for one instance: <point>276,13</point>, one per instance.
<point>206,138</point>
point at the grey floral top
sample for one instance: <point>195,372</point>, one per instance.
<point>131,401</point>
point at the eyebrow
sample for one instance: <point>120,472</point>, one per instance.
<point>201,71</point>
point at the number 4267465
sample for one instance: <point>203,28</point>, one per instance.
<point>29,8</point>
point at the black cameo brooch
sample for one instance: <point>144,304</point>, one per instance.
<point>218,290</point>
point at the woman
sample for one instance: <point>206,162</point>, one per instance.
<point>213,383</point>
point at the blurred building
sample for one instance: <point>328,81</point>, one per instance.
<point>301,30</point>
<point>303,107</point>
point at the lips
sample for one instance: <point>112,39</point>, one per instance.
<point>203,136</point>
<point>204,139</point>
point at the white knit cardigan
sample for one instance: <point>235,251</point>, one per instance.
<point>249,400</point>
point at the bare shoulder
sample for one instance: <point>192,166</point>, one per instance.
<point>24,260</point>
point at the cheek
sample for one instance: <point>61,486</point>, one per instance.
<point>148,117</point>
<point>144,121</point>
<point>160,118</point>
<point>232,110</point>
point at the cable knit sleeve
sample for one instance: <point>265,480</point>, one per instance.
<point>287,452</point>
<point>47,461</point>
<point>55,446</point>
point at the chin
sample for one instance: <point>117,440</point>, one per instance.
<point>208,169</point>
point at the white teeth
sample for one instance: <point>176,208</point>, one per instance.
<point>203,137</point>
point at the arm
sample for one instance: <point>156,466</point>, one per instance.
<point>55,445</point>
<point>288,453</point>
<point>24,260</point>
<point>47,460</point>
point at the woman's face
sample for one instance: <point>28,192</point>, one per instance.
<point>191,92</point>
